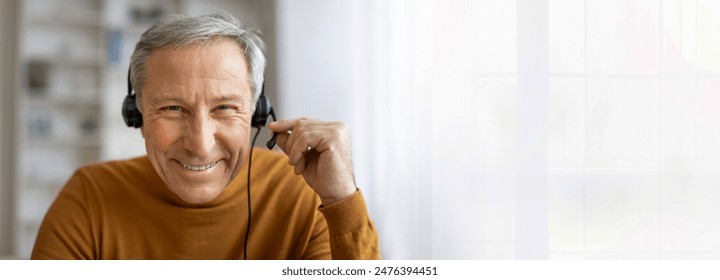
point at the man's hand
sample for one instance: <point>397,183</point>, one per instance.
<point>320,151</point>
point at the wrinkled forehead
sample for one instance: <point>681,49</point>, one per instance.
<point>211,69</point>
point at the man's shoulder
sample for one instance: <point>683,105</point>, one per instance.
<point>137,164</point>
<point>110,181</point>
<point>117,170</point>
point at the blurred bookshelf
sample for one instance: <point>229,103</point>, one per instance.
<point>61,63</point>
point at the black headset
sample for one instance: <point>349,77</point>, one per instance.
<point>263,110</point>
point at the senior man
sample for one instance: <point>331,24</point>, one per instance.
<point>196,80</point>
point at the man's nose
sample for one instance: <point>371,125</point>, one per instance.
<point>200,136</point>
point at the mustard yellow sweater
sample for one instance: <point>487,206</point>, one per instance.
<point>123,210</point>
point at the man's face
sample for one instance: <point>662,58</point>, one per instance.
<point>196,107</point>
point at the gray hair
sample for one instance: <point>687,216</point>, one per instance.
<point>183,30</point>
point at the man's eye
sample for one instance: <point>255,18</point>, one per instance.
<point>224,107</point>
<point>173,108</point>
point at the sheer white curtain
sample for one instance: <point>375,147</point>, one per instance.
<point>633,170</point>
<point>520,129</point>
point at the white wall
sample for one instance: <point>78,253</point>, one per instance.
<point>315,54</point>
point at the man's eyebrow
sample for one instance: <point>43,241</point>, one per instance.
<point>161,99</point>
<point>231,98</point>
<point>175,99</point>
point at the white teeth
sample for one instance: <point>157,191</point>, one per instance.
<point>199,168</point>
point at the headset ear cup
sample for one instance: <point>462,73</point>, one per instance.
<point>130,112</point>
<point>262,111</point>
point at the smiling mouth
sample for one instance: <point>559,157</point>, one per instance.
<point>199,167</point>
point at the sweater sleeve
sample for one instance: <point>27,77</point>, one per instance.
<point>352,233</point>
<point>65,232</point>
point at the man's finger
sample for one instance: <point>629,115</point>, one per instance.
<point>300,146</point>
<point>282,140</point>
<point>294,136</point>
<point>300,167</point>
<point>283,125</point>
